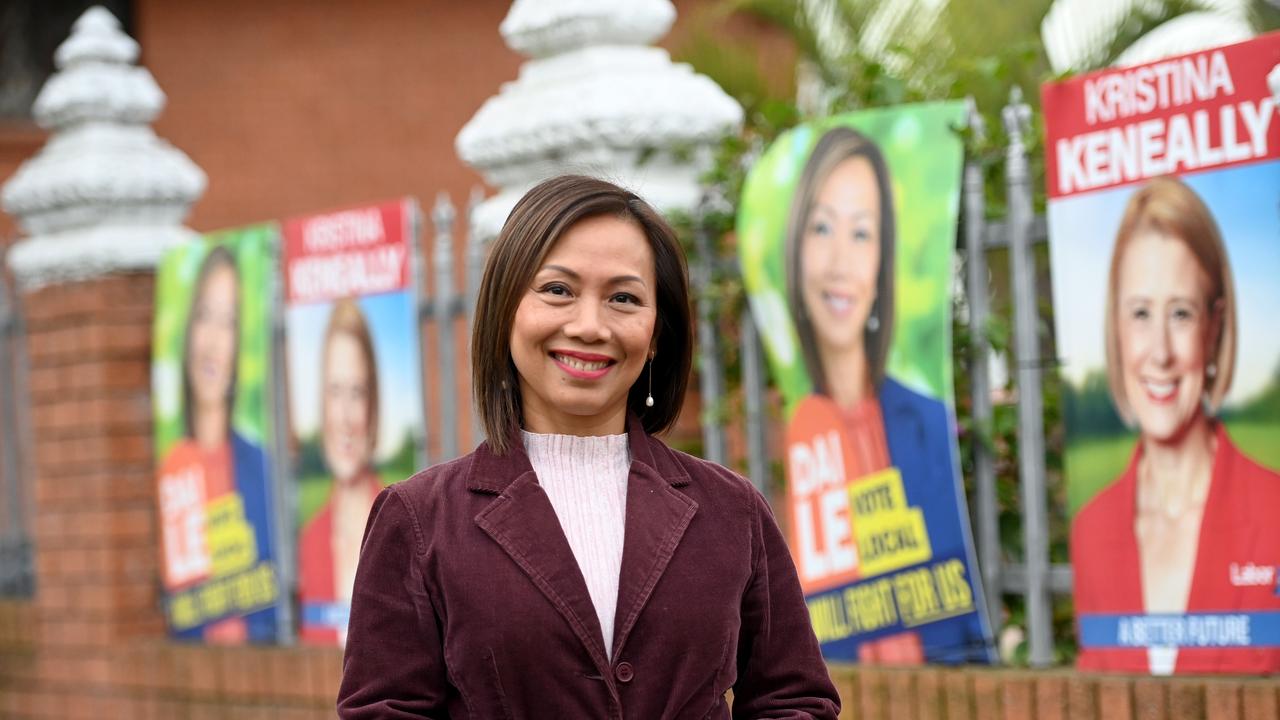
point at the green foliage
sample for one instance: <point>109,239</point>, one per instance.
<point>1263,407</point>
<point>1264,16</point>
<point>1089,410</point>
<point>1095,462</point>
<point>310,457</point>
<point>1142,19</point>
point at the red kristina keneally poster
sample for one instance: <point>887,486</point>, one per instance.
<point>1164,227</point>
<point>355,389</point>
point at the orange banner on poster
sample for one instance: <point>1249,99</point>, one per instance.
<point>844,528</point>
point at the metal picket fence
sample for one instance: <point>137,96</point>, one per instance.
<point>16,572</point>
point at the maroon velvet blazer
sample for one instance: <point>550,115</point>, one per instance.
<point>468,602</point>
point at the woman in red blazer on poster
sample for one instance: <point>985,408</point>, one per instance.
<point>329,545</point>
<point>1191,526</point>
<point>574,566</point>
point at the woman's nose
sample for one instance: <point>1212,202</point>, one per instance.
<point>351,417</point>
<point>587,323</point>
<point>840,258</point>
<point>1160,346</point>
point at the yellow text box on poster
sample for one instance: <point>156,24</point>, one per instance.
<point>231,540</point>
<point>906,599</point>
<point>889,534</point>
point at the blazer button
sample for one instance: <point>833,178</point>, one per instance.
<point>624,672</point>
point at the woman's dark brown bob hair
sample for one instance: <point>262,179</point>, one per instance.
<point>834,147</point>
<point>534,226</point>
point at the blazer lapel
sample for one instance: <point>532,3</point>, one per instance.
<point>657,516</point>
<point>523,523</point>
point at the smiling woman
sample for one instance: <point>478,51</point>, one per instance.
<point>841,238</point>
<point>1170,536</point>
<point>574,565</point>
<point>585,328</point>
<point>329,544</point>
<point>597,271</point>
<point>214,496</point>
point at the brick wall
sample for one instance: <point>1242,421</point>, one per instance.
<point>92,642</point>
<point>995,694</point>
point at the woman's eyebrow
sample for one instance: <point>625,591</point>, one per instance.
<point>857,213</point>
<point>1143,298</point>
<point>560,269</point>
<point>617,279</point>
<point>575,276</point>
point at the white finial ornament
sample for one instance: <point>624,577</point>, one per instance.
<point>595,99</point>
<point>537,28</point>
<point>104,194</point>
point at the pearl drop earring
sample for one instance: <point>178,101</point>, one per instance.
<point>648,401</point>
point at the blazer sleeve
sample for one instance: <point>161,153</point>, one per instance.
<point>781,673</point>
<point>394,661</point>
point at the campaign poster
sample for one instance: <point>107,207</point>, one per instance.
<point>212,403</point>
<point>846,235</point>
<point>1164,227</point>
<point>355,391</point>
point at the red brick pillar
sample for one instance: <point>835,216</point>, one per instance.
<point>96,542</point>
<point>99,209</point>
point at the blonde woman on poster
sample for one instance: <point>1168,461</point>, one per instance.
<point>330,542</point>
<point>840,287</point>
<point>1190,525</point>
<point>213,493</point>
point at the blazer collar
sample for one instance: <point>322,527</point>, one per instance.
<point>524,524</point>
<point>491,473</point>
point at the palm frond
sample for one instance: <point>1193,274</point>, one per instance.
<point>736,67</point>
<point>1264,15</point>
<point>1140,20</point>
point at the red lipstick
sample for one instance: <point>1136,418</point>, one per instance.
<point>577,358</point>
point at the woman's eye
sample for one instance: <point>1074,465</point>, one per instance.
<point>820,227</point>
<point>557,289</point>
<point>862,235</point>
<point>625,298</point>
<point>1139,314</point>
<point>1183,314</point>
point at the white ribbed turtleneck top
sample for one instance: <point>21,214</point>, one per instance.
<point>586,480</point>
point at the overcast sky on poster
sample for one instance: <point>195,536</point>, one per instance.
<point>1245,202</point>
<point>392,323</point>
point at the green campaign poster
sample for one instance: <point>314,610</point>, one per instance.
<point>846,238</point>
<point>212,406</point>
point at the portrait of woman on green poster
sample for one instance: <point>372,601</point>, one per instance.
<point>857,412</point>
<point>213,475</point>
